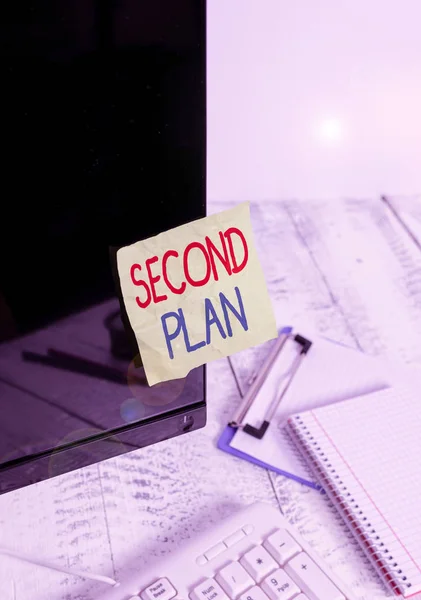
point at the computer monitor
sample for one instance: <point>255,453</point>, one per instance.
<point>103,137</point>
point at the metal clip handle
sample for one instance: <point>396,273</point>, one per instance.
<point>259,432</point>
<point>257,381</point>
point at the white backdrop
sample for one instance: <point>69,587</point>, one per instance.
<point>313,98</point>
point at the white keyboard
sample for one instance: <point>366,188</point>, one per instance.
<point>254,555</point>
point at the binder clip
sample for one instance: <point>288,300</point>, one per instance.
<point>303,346</point>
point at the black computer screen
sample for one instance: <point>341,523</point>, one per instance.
<point>103,144</point>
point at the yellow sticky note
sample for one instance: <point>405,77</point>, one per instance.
<point>195,293</point>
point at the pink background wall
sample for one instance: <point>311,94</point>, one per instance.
<point>313,98</point>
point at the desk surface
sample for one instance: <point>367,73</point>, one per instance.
<point>351,270</point>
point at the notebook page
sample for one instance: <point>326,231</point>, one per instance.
<point>370,449</point>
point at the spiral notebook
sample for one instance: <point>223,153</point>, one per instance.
<point>366,453</point>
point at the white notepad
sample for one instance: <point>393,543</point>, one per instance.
<point>366,452</point>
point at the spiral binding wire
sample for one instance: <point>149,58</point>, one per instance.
<point>287,434</point>
<point>294,450</point>
<point>371,547</point>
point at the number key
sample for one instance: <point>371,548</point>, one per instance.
<point>254,594</point>
<point>279,586</point>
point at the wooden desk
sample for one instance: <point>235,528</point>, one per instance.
<point>350,269</point>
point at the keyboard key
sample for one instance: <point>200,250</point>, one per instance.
<point>201,560</point>
<point>248,529</point>
<point>234,538</point>
<point>278,586</point>
<point>282,546</point>
<point>234,579</point>
<point>312,580</point>
<point>255,593</point>
<point>215,550</point>
<point>161,589</point>
<point>208,590</point>
<point>259,563</point>
<point>301,597</point>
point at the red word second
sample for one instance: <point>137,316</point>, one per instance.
<point>156,277</point>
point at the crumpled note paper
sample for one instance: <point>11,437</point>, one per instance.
<point>195,293</point>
